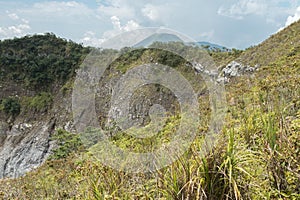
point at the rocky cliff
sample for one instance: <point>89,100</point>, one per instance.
<point>34,98</point>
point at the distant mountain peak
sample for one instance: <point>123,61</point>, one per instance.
<point>167,37</point>
<point>212,46</point>
<point>158,37</point>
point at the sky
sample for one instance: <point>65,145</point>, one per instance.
<point>231,23</point>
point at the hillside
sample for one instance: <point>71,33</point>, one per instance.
<point>33,71</point>
<point>257,154</point>
<point>286,42</point>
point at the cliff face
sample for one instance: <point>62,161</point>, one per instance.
<point>33,102</point>
<point>25,141</point>
<point>24,147</point>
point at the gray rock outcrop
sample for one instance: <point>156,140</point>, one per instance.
<point>24,147</point>
<point>235,69</point>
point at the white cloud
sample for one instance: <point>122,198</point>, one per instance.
<point>16,28</point>
<point>291,19</point>
<point>151,12</point>
<point>74,19</point>
<point>294,18</point>
<point>115,22</point>
<point>54,9</point>
<point>54,6</point>
<point>130,25</point>
<point>160,13</point>
<point>122,9</point>
<point>13,16</point>
<point>242,8</point>
<point>68,19</point>
<point>90,38</point>
<point>14,31</point>
<point>16,17</point>
<point>25,21</point>
<point>119,28</point>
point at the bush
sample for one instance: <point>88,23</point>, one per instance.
<point>39,103</point>
<point>11,106</point>
<point>67,143</point>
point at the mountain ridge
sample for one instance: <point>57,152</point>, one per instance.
<point>277,45</point>
<point>37,132</point>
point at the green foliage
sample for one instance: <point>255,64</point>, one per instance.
<point>40,103</point>
<point>39,61</point>
<point>127,141</point>
<point>236,52</point>
<point>257,155</point>
<point>133,57</point>
<point>10,106</point>
<point>67,143</point>
<point>169,59</point>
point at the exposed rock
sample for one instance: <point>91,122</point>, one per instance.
<point>19,129</point>
<point>201,69</point>
<point>69,126</point>
<point>235,69</point>
<point>3,128</point>
<point>222,79</point>
<point>24,148</point>
<point>198,67</point>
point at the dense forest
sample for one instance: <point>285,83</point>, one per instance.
<point>41,61</point>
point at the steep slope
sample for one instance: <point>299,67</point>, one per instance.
<point>257,155</point>
<point>285,42</point>
<point>33,70</point>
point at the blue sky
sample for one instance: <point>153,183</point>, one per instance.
<point>232,23</point>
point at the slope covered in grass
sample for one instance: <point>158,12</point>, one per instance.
<point>257,156</point>
<point>283,43</point>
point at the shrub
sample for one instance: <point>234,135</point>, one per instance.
<point>11,106</point>
<point>39,103</point>
<point>67,143</point>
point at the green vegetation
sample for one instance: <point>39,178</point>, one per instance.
<point>133,57</point>
<point>40,103</point>
<point>276,46</point>
<point>257,155</point>
<point>67,143</point>
<point>10,106</point>
<point>40,61</point>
